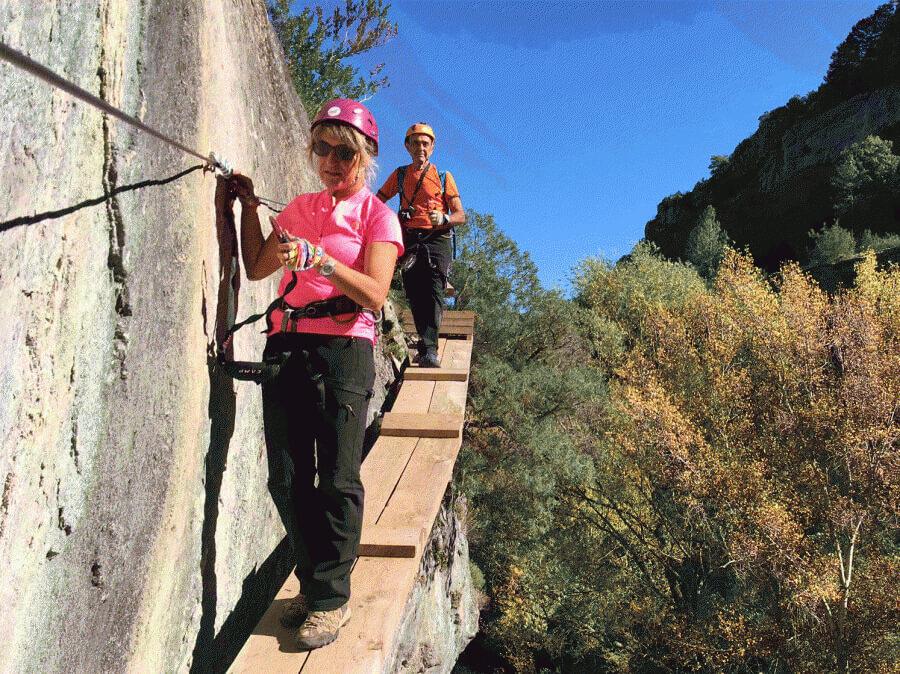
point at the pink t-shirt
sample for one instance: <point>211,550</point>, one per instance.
<point>344,231</point>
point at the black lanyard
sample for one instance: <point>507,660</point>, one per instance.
<point>409,202</point>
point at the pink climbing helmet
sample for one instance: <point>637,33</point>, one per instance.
<point>352,113</point>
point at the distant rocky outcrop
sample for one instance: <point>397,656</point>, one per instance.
<point>777,184</point>
<point>136,530</point>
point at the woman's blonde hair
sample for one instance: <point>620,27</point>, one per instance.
<point>346,134</point>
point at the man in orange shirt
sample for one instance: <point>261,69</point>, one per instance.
<point>429,208</point>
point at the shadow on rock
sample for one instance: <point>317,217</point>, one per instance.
<point>214,652</point>
<point>94,201</point>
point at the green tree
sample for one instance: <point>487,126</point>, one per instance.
<point>622,293</point>
<point>726,487</point>
<point>496,280</point>
<point>718,163</point>
<point>317,46</point>
<point>866,184</point>
<point>831,244</point>
<point>874,242</point>
<point>705,245</point>
<point>720,497</point>
<point>533,396</point>
<point>869,57</point>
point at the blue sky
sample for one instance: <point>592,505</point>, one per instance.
<point>569,120</point>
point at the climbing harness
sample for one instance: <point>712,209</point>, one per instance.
<point>212,162</point>
<point>408,260</point>
<point>268,368</point>
<point>417,250</point>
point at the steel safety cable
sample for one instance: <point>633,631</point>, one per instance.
<point>40,71</point>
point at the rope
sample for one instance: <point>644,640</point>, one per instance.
<point>31,66</point>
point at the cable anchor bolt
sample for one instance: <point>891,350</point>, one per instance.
<point>219,164</point>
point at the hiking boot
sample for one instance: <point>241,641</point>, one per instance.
<point>421,350</point>
<point>430,359</point>
<point>322,627</point>
<point>295,612</point>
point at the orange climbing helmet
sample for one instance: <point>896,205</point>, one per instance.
<point>420,127</point>
<point>352,113</point>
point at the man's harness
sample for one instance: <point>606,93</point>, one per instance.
<point>418,250</point>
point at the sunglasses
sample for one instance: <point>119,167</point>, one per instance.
<point>343,152</point>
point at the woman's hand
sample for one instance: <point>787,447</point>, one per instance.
<point>298,254</point>
<point>243,187</point>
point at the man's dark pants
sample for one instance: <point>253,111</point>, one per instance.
<point>314,413</point>
<point>425,282</point>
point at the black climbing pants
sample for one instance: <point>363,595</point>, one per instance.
<point>315,416</point>
<point>424,283</point>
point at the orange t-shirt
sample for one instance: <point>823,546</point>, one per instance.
<point>427,199</point>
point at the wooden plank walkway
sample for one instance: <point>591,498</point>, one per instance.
<point>405,476</point>
<point>454,324</point>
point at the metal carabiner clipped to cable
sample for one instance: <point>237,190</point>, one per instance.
<point>220,164</point>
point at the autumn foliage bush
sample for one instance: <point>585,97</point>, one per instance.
<point>719,490</point>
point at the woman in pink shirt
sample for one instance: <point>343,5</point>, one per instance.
<point>338,248</point>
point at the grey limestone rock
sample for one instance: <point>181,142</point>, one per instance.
<point>441,615</point>
<point>135,523</point>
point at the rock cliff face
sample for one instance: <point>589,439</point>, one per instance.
<point>441,616</point>
<point>776,185</point>
<point>135,524</point>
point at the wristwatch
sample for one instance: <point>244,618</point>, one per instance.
<point>327,266</point>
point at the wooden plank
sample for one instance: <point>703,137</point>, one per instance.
<point>451,324</point>
<point>449,398</point>
<point>451,319</point>
<point>457,355</point>
<point>462,330</point>
<point>449,314</point>
<point>271,648</point>
<point>442,345</point>
<point>414,397</point>
<point>421,425</point>
<point>421,489</point>
<point>380,590</point>
<point>377,606</point>
<point>459,331</point>
<point>380,473</point>
<point>379,596</point>
<point>382,541</point>
<point>435,374</point>
<point>453,354</point>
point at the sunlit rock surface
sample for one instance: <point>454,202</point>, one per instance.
<point>136,531</point>
<point>441,616</point>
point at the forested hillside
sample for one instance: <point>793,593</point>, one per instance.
<point>828,158</point>
<point>693,463</point>
<point>670,475</point>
